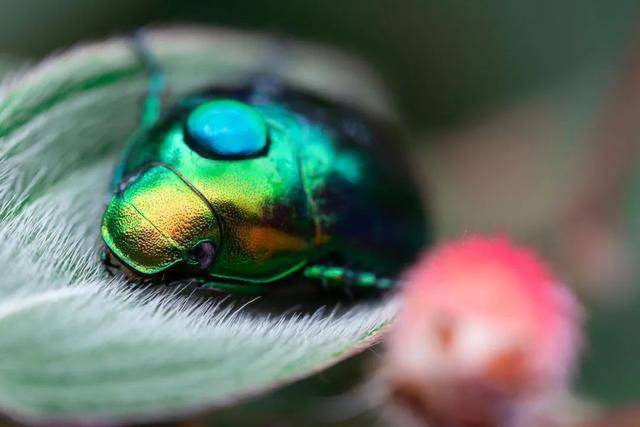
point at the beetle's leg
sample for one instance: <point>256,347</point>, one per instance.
<point>105,258</point>
<point>157,82</point>
<point>236,288</point>
<point>340,277</point>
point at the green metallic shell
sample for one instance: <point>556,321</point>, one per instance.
<point>325,189</point>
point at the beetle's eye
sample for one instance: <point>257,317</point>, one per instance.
<point>202,255</point>
<point>226,129</point>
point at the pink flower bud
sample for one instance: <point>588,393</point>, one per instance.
<point>485,332</point>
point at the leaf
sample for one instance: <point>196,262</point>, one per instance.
<point>79,346</point>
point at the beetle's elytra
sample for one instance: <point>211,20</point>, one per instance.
<point>239,187</point>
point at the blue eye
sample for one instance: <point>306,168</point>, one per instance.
<point>226,128</point>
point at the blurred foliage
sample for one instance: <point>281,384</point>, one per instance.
<point>610,370</point>
<point>444,60</point>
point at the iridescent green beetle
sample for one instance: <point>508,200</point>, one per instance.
<point>245,186</point>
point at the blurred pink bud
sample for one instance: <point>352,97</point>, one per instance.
<point>485,333</point>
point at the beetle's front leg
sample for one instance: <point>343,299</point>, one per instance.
<point>105,258</point>
<point>347,279</point>
<point>157,81</point>
<point>235,288</point>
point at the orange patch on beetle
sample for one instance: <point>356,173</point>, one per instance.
<point>265,242</point>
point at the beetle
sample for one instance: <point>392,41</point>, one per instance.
<point>241,187</point>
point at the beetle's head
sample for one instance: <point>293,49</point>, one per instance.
<point>157,221</point>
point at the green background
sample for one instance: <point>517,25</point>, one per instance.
<point>444,59</point>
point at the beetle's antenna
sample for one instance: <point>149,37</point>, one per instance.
<point>157,81</point>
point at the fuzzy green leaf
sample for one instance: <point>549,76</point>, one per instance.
<point>76,344</point>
